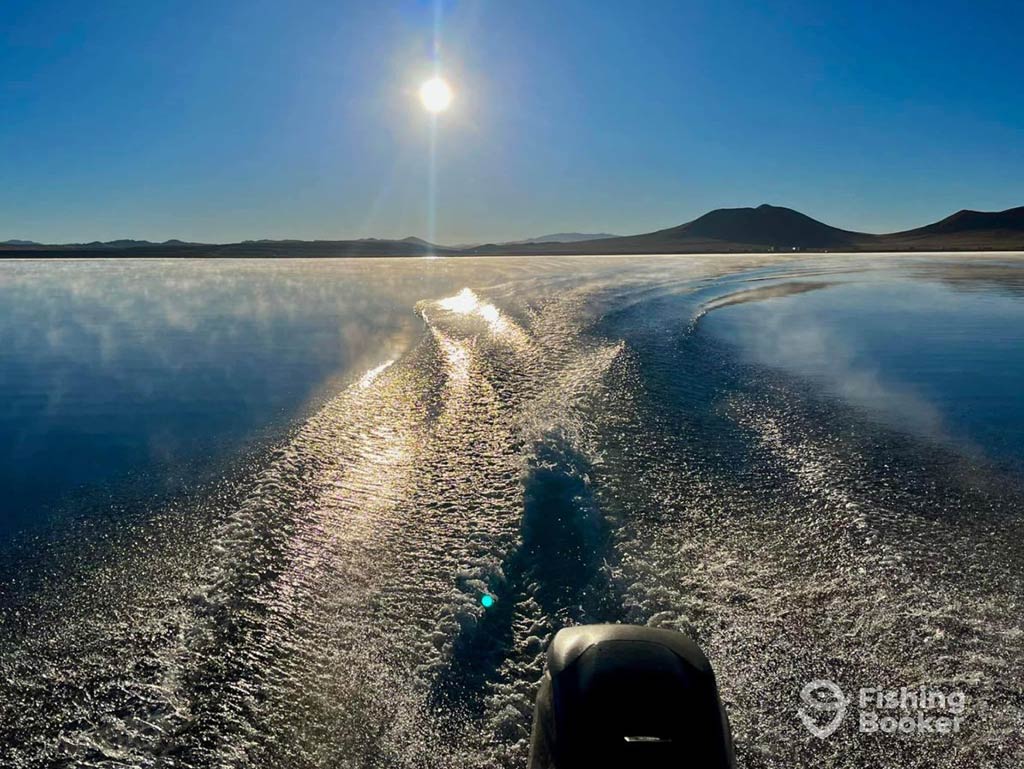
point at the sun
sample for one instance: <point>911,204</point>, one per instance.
<point>436,95</point>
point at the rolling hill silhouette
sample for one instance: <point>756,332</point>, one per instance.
<point>776,228</point>
<point>1010,220</point>
<point>724,230</point>
<point>772,226</point>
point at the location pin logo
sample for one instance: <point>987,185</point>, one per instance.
<point>822,696</point>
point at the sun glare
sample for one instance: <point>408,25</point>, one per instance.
<point>436,95</point>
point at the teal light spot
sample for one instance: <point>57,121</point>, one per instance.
<point>487,600</point>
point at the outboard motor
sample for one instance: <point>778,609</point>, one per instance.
<point>628,696</point>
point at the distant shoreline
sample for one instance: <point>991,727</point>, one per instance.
<point>45,255</point>
<point>763,230</point>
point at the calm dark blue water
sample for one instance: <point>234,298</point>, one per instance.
<point>140,377</point>
<point>249,509</point>
<point>943,358</point>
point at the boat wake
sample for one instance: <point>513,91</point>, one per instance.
<point>575,461</point>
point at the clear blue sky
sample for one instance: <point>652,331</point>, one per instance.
<point>229,119</point>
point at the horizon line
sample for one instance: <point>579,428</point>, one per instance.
<point>15,241</point>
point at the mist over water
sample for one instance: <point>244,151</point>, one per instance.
<point>250,508</point>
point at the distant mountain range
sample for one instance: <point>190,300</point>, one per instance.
<point>101,244</point>
<point>774,228</point>
<point>725,230</point>
<point>558,237</point>
<point>245,249</point>
<point>569,237</point>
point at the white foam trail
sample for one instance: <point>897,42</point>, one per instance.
<point>370,376</point>
<point>466,302</point>
<point>457,358</point>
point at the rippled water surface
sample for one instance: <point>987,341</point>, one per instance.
<point>249,509</point>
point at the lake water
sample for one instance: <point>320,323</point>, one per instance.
<point>249,509</point>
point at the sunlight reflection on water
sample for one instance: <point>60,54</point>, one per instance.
<point>694,443</point>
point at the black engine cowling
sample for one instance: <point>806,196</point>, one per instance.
<point>628,696</point>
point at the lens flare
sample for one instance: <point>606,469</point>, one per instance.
<point>436,95</point>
